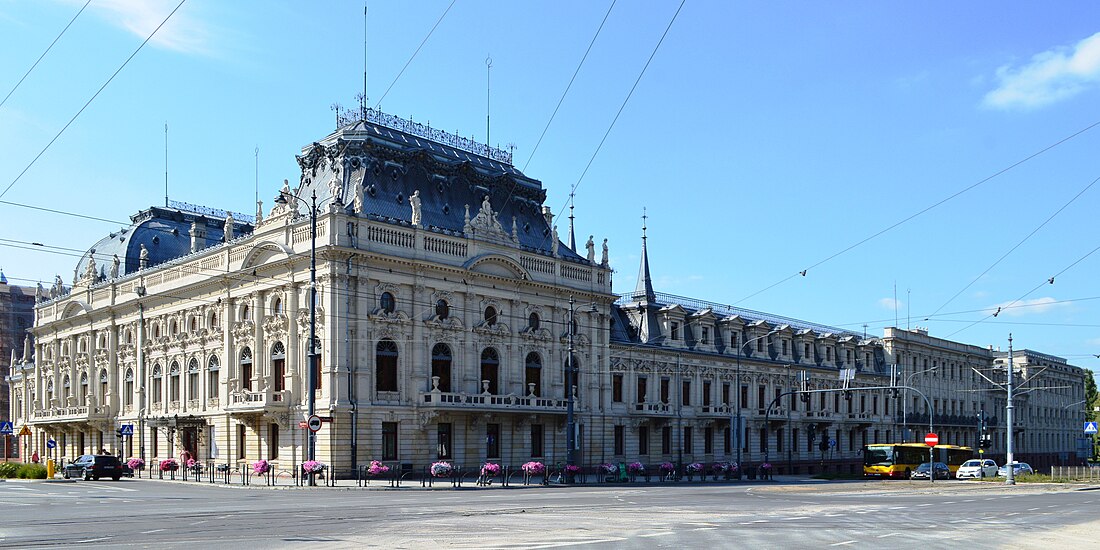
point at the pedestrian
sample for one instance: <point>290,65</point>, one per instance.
<point>35,458</point>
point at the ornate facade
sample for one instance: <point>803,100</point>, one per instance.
<point>446,308</point>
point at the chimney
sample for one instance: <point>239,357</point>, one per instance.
<point>198,234</point>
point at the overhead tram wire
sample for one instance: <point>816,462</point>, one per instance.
<point>1017,245</point>
<point>89,102</point>
<point>1030,292</point>
<point>981,310</point>
<point>924,210</point>
<point>626,100</point>
<point>413,56</point>
<point>48,48</point>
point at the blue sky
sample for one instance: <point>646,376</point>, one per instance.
<point>763,138</point>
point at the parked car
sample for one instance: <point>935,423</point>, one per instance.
<point>1018,468</point>
<point>924,470</point>
<point>93,467</point>
<point>977,468</point>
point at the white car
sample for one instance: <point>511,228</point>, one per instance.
<point>977,468</point>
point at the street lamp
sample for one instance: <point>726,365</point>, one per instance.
<point>904,419</point>
<point>570,423</point>
<point>737,394</point>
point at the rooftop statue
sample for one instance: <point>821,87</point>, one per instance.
<point>591,247</point>
<point>115,262</point>
<point>414,200</point>
<point>143,257</point>
<point>603,260</point>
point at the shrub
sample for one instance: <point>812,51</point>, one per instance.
<point>9,469</point>
<point>31,471</point>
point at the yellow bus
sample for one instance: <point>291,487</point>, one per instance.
<point>898,460</point>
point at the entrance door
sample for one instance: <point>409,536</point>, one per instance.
<point>189,438</point>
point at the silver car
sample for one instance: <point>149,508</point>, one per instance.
<point>1018,468</point>
<point>977,468</point>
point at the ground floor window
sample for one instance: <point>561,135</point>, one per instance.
<point>536,440</point>
<point>242,441</point>
<point>389,441</point>
<point>619,447</point>
<point>273,442</point>
<point>443,440</point>
<point>492,440</point>
<point>666,440</point>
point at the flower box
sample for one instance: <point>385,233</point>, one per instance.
<point>313,467</point>
<point>136,464</point>
<point>534,468</point>
<point>376,468</point>
<point>490,469</point>
<point>169,465</point>
<point>261,467</point>
<point>441,469</point>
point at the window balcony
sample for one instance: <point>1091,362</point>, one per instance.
<point>658,408</point>
<point>82,413</point>
<point>257,401</point>
<point>492,402</point>
<point>715,410</point>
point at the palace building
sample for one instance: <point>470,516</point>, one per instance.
<point>445,307</point>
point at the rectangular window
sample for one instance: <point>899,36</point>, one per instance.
<point>212,385</point>
<point>443,440</point>
<point>152,443</point>
<point>874,404</point>
<point>727,444</point>
<point>389,441</point>
<point>620,443</point>
<point>779,440</point>
<point>246,376</point>
<point>828,353</point>
<point>760,345</point>
<point>706,393</point>
<point>685,393</point>
<point>763,440</point>
<point>784,347</point>
<point>794,440</point>
<point>536,440</point>
<point>273,442</point>
<point>726,393</point>
<point>708,440</point>
<point>863,403</point>
<point>733,341</point>
<point>617,388</point>
<point>687,444</point>
<point>643,440</point>
<point>242,442</point>
<point>806,352</point>
<point>492,440</point>
<point>675,331</point>
<point>664,390</point>
<point>666,440</point>
<point>641,389</point>
<point>278,367</point>
<point>761,400</point>
<point>706,335</point>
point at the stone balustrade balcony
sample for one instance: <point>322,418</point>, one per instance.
<point>493,402</point>
<point>78,413</point>
<point>257,401</point>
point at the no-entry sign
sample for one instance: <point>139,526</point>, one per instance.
<point>932,440</point>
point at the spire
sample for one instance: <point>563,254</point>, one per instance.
<point>3,279</point>
<point>572,238</point>
<point>644,290</point>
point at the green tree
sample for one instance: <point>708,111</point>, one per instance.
<point>1091,396</point>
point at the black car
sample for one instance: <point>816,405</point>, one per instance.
<point>922,472</point>
<point>89,467</point>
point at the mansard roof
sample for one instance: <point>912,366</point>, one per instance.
<point>387,158</point>
<point>165,232</point>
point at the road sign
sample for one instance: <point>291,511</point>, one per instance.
<point>325,418</point>
<point>832,442</point>
<point>6,428</point>
<point>1090,427</point>
<point>313,423</point>
<point>126,429</point>
<point>51,444</point>
<point>25,431</point>
<point>931,440</point>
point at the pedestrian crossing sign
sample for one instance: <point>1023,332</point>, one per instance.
<point>5,428</point>
<point>1090,427</point>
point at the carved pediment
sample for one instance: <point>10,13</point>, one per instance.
<point>579,340</point>
<point>450,323</point>
<point>243,329</point>
<point>498,330</point>
<point>382,316</point>
<point>485,225</point>
<point>541,334</point>
<point>276,324</point>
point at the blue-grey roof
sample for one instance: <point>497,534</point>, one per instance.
<point>166,234</point>
<point>391,165</point>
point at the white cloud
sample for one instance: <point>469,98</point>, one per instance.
<point>183,32</point>
<point>1056,74</point>
<point>889,304</point>
<point>1026,307</point>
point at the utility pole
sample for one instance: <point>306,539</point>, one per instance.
<point>1010,477</point>
<point>313,381</point>
<point>570,426</point>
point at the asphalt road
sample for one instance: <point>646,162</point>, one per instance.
<point>791,514</point>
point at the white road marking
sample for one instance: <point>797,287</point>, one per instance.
<point>958,520</point>
<point>661,534</point>
<point>200,522</point>
<point>760,521</point>
<point>576,543</point>
<point>796,518</point>
<point>969,500</point>
<point>925,504</point>
<point>843,543</point>
<point>897,507</point>
<point>1032,509</point>
<point>704,529</point>
<point>888,535</point>
<point>1052,506</point>
<point>92,540</point>
<point>151,532</point>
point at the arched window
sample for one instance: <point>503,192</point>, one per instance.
<point>173,328</point>
<point>103,387</point>
<point>246,369</point>
<point>194,324</point>
<point>277,306</point>
<point>156,330</point>
<point>83,397</point>
<point>246,313</point>
<point>214,320</point>
<point>490,315</point>
<point>441,366</point>
<point>490,370</point>
<point>387,302</point>
<point>278,366</point>
<point>193,379</point>
<point>212,377</point>
<point>385,359</point>
<point>128,395</point>
<point>442,310</point>
<point>533,374</point>
<point>129,338</point>
<point>174,382</point>
<point>533,321</point>
<point>158,384</point>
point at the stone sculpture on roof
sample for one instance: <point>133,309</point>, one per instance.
<point>228,228</point>
<point>414,201</point>
<point>336,186</point>
<point>90,271</point>
<point>143,257</point>
<point>591,247</point>
<point>603,259</point>
<point>486,225</point>
<point>115,262</point>
<point>554,242</point>
<point>259,212</point>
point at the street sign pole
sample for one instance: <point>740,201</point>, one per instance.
<point>931,440</point>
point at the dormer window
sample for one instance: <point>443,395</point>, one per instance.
<point>760,345</point>
<point>706,335</point>
<point>734,341</point>
<point>784,346</point>
<point>828,353</point>
<point>674,331</point>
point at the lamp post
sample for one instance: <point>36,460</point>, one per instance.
<point>904,419</point>
<point>1010,477</point>
<point>570,421</point>
<point>737,395</point>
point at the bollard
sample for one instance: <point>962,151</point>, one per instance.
<point>50,469</point>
